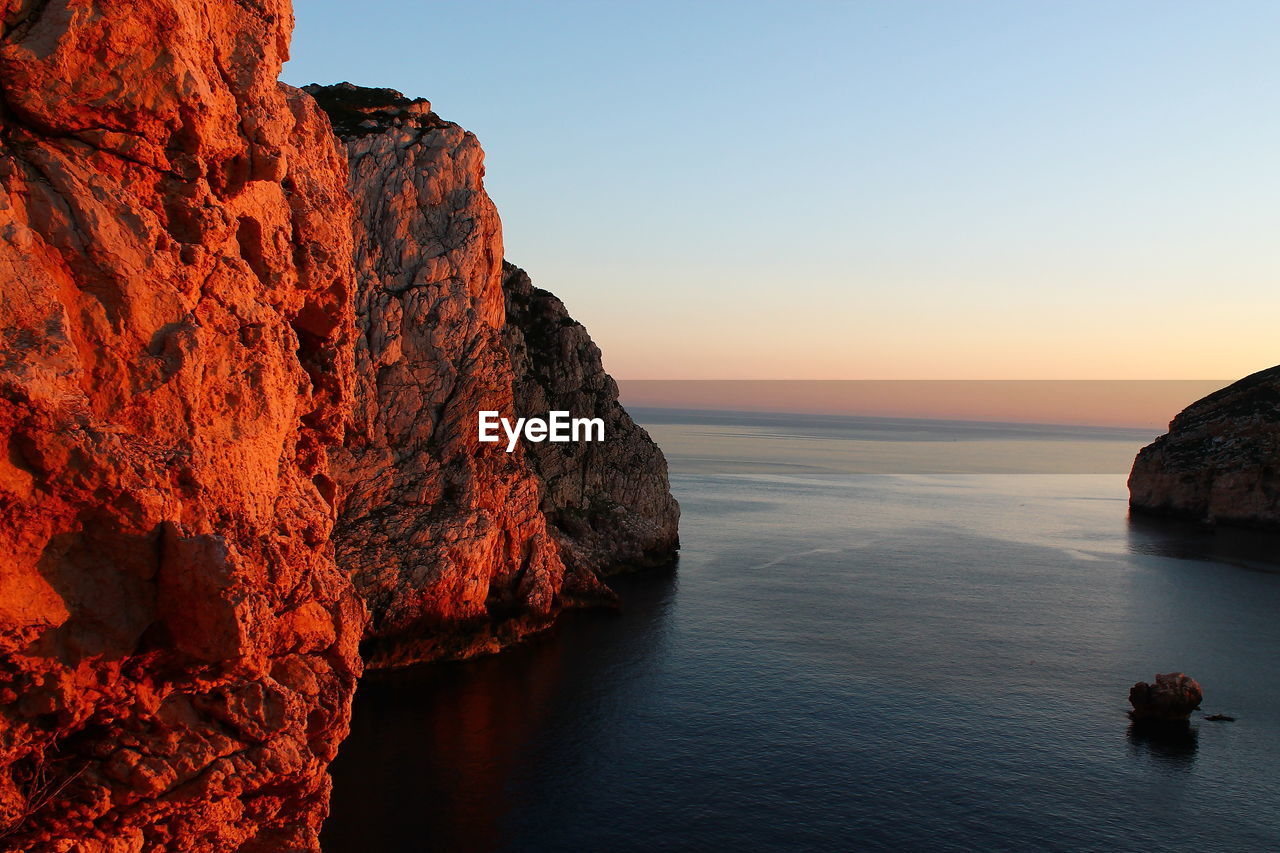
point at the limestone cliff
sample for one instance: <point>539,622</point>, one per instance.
<point>1220,461</point>
<point>609,503</point>
<point>177,647</point>
<point>238,390</point>
<point>448,539</point>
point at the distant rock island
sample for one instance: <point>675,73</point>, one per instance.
<point>1170,699</point>
<point>1220,461</point>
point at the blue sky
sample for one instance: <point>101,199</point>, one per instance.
<point>868,189</point>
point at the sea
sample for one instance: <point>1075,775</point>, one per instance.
<point>880,635</point>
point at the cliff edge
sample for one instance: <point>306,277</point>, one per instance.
<point>1220,461</point>
<point>609,503</point>
<point>241,362</point>
<point>459,547</point>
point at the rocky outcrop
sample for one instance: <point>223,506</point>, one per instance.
<point>1220,461</point>
<point>446,537</point>
<point>609,503</point>
<point>442,536</point>
<point>177,647</point>
<point>1171,699</point>
<point>238,397</point>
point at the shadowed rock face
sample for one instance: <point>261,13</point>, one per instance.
<point>446,538</point>
<point>1171,699</point>
<point>609,503</point>
<point>177,647</point>
<point>442,535</point>
<point>1220,461</point>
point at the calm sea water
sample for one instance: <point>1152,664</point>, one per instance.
<point>855,661</point>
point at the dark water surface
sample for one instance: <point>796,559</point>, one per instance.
<point>848,661</point>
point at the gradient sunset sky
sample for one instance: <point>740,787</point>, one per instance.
<point>883,190</point>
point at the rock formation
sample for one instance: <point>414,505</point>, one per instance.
<point>238,395</point>
<point>446,538</point>
<point>1170,700</point>
<point>177,647</point>
<point>1220,461</point>
<point>609,503</point>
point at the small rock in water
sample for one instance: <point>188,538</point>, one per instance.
<point>1219,718</point>
<point>1170,700</point>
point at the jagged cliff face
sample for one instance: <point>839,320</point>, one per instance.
<point>177,647</point>
<point>448,539</point>
<point>442,535</point>
<point>1220,461</point>
<point>609,504</point>
<point>208,356</point>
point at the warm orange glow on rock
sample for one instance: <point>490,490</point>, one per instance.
<point>177,646</point>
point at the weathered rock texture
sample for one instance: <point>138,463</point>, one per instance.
<point>444,536</point>
<point>609,503</point>
<point>188,334</point>
<point>177,647</point>
<point>1220,461</point>
<point>1171,699</point>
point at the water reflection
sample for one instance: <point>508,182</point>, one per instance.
<point>898,660</point>
<point>1172,744</point>
<point>1257,550</point>
<point>434,750</point>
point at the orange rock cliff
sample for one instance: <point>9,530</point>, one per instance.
<point>238,384</point>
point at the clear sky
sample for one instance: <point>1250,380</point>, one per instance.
<point>947,189</point>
